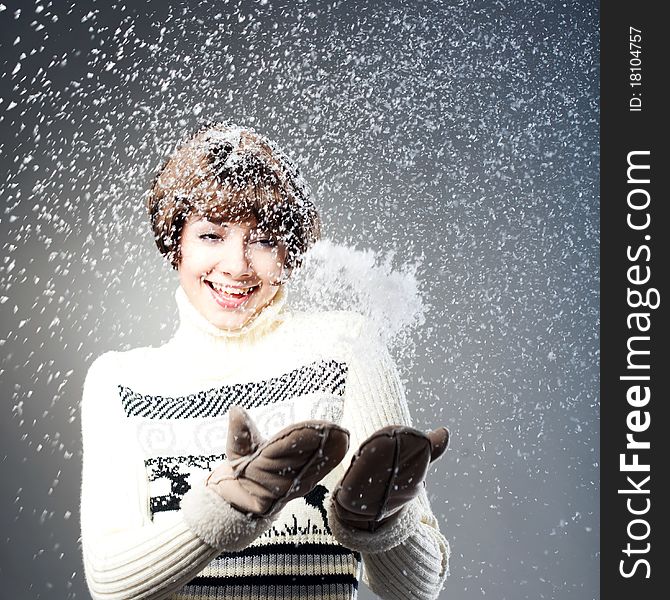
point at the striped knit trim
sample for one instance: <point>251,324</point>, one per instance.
<point>288,548</point>
<point>311,571</point>
<point>256,563</point>
<point>298,591</point>
<point>278,580</point>
<point>322,376</point>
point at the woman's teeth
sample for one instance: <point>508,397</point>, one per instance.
<point>232,291</point>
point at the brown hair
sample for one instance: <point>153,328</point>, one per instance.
<point>229,173</point>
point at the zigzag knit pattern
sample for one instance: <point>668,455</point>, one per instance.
<point>323,376</point>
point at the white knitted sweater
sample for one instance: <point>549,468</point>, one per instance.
<point>154,425</point>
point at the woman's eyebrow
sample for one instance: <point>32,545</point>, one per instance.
<point>205,222</point>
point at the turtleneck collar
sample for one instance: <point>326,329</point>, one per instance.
<point>196,328</point>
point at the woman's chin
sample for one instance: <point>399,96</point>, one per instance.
<point>232,321</point>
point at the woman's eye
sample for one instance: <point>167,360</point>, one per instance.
<point>265,242</point>
<point>209,236</point>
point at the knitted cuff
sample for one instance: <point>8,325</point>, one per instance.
<point>389,535</point>
<point>217,523</point>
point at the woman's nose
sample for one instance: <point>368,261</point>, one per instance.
<point>234,260</point>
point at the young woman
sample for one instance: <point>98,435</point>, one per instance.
<point>260,453</point>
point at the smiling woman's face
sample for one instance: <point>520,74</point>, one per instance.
<point>228,270</point>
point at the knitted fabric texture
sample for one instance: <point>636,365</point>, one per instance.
<point>154,424</point>
<point>386,537</point>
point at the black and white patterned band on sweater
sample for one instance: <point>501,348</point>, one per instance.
<point>154,424</point>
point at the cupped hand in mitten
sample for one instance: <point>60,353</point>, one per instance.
<point>260,476</point>
<point>386,473</point>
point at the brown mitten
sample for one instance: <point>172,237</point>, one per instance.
<point>260,477</point>
<point>385,474</point>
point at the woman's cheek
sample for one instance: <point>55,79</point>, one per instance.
<point>270,264</point>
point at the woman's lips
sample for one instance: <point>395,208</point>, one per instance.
<point>227,300</point>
